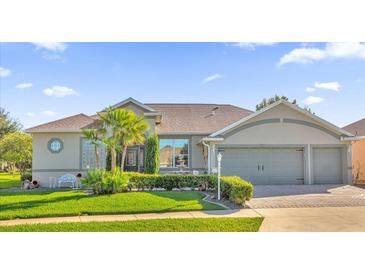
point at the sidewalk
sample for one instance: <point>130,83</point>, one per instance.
<point>135,217</point>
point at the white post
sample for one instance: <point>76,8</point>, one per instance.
<point>208,156</point>
<point>219,159</point>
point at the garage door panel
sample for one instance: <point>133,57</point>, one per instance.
<point>265,165</point>
<point>327,166</point>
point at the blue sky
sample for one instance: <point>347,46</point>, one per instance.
<point>41,82</point>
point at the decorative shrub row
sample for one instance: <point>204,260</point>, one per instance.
<point>104,182</point>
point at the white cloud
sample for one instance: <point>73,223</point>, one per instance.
<point>251,46</point>
<point>59,91</point>
<point>51,56</point>
<point>24,85</point>
<point>31,114</point>
<point>329,85</point>
<point>4,72</point>
<point>312,100</point>
<point>51,46</point>
<point>309,89</point>
<point>330,51</point>
<point>48,113</point>
<point>211,78</point>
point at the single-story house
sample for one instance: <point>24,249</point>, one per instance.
<point>358,150</point>
<point>280,144</point>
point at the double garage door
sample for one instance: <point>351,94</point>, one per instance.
<point>281,165</point>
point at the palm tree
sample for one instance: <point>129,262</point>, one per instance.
<point>111,128</point>
<point>125,128</point>
<point>133,133</point>
<point>95,136</point>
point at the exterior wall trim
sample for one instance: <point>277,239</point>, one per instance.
<point>249,125</point>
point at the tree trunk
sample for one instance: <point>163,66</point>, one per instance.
<point>97,157</point>
<point>114,158</point>
<point>124,152</point>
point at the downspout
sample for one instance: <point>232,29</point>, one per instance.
<point>208,147</point>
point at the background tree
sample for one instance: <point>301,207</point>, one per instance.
<point>95,137</point>
<point>16,149</point>
<point>265,102</point>
<point>7,123</point>
<point>152,161</point>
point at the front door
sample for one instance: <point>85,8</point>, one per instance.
<point>134,159</point>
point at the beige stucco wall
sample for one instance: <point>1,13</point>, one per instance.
<point>45,163</point>
<point>197,157</point>
<point>281,133</point>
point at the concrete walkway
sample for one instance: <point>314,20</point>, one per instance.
<point>276,219</point>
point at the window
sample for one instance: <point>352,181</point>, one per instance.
<point>55,145</point>
<point>88,160</point>
<point>174,153</point>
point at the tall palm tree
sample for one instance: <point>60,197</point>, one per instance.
<point>125,128</point>
<point>110,126</point>
<point>133,133</point>
<point>95,136</point>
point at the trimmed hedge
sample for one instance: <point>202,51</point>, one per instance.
<point>233,188</point>
<point>170,181</point>
<point>236,190</point>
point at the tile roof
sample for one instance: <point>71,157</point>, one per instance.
<point>74,122</point>
<point>356,128</point>
<point>196,118</point>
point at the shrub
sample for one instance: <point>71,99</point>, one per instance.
<point>106,182</point>
<point>236,190</point>
<point>152,161</point>
<point>26,175</point>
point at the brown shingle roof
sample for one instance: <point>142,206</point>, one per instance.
<point>74,122</point>
<point>356,128</point>
<point>196,118</point>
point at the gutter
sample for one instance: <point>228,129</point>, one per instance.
<point>354,138</point>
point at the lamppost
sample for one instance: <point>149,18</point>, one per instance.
<point>219,159</point>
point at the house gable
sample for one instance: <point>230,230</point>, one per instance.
<point>282,113</point>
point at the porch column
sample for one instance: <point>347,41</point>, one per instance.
<point>349,164</point>
<point>309,165</point>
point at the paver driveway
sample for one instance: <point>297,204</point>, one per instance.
<point>295,196</point>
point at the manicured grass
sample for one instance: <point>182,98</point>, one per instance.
<point>156,225</point>
<point>9,180</point>
<point>31,204</point>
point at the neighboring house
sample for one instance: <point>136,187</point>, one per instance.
<point>358,150</point>
<point>280,144</point>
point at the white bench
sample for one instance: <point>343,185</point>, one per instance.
<point>67,179</point>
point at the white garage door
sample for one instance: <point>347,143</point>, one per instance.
<point>327,166</point>
<point>265,165</point>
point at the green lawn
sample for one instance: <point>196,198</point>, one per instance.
<point>32,204</point>
<point>158,225</point>
<point>7,180</point>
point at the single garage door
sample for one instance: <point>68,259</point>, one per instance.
<point>327,166</point>
<point>264,165</point>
